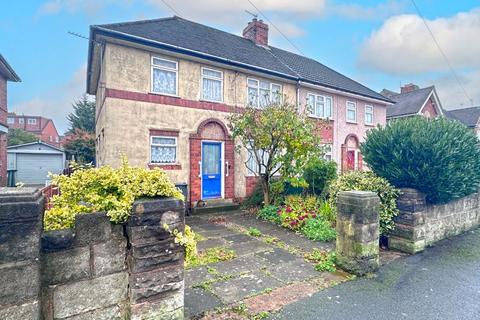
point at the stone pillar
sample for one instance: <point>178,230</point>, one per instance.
<point>409,233</point>
<point>358,222</point>
<point>21,212</point>
<point>155,261</point>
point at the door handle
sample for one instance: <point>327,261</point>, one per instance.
<point>228,169</point>
<point>200,169</point>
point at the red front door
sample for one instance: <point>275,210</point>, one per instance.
<point>350,160</point>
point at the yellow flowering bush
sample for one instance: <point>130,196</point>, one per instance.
<point>186,240</point>
<point>105,189</point>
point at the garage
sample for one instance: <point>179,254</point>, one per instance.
<point>30,163</point>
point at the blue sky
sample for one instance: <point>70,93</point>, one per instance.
<point>381,44</point>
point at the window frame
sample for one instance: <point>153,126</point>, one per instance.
<point>153,66</point>
<point>202,76</point>
<point>31,121</point>
<point>367,106</point>
<point>325,97</point>
<point>21,120</point>
<point>163,145</point>
<point>10,120</point>
<point>354,109</point>
<point>329,152</point>
<point>270,91</point>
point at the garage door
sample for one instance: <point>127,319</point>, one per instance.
<point>34,168</point>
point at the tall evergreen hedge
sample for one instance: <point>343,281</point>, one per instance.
<point>439,157</point>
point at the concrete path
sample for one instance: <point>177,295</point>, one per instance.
<point>441,283</point>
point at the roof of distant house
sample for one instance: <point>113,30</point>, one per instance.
<point>408,103</point>
<point>43,121</point>
<point>7,71</point>
<point>191,38</point>
<point>468,116</point>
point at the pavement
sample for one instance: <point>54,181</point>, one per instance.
<point>441,283</point>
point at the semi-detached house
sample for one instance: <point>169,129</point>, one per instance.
<point>165,88</point>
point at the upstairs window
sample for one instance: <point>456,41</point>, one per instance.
<point>31,121</point>
<point>351,112</point>
<point>10,120</point>
<point>164,76</point>
<point>319,106</point>
<point>163,149</point>
<point>262,93</point>
<point>212,85</point>
<point>21,120</point>
<point>369,115</point>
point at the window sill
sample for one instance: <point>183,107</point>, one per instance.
<point>320,118</point>
<point>164,94</point>
<point>351,122</point>
<point>211,101</point>
<point>369,124</point>
<point>165,166</point>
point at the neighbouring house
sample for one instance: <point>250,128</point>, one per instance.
<point>468,116</point>
<point>41,127</point>
<point>164,89</point>
<point>412,101</point>
<point>6,74</point>
<point>32,162</point>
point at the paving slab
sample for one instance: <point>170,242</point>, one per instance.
<point>293,271</point>
<point>239,238</point>
<point>277,256</point>
<point>198,301</point>
<point>210,243</point>
<point>241,264</point>
<point>250,247</point>
<point>244,286</point>
<point>196,276</point>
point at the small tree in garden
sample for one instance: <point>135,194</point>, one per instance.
<point>281,140</point>
<point>438,157</point>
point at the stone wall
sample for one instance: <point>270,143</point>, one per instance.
<point>420,224</point>
<point>97,270</point>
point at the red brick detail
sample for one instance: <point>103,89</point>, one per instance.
<point>168,100</point>
<point>429,109</point>
<point>3,159</point>
<point>351,142</point>
<point>250,184</point>
<point>195,183</point>
<point>409,87</point>
<point>325,130</point>
<point>256,31</point>
<point>165,166</point>
<point>163,132</point>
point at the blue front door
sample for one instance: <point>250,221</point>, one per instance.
<point>211,170</point>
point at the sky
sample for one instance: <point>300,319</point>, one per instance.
<point>381,44</point>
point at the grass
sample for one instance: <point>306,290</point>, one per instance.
<point>211,255</point>
<point>324,261</point>
<point>254,232</point>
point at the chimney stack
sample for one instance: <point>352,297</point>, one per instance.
<point>256,31</point>
<point>409,87</point>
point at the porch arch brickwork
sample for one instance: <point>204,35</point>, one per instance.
<point>351,143</point>
<point>211,129</point>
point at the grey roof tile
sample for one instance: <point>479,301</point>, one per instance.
<point>408,103</point>
<point>468,116</point>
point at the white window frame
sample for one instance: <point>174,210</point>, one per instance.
<point>21,120</point>
<point>154,66</point>
<point>31,121</point>
<point>354,108</point>
<point>368,106</point>
<point>10,120</point>
<point>325,97</point>
<point>163,145</point>
<point>270,95</point>
<point>202,76</point>
<point>328,147</point>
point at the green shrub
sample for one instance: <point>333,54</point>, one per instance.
<point>327,212</point>
<point>318,229</point>
<point>318,174</point>
<point>297,210</point>
<point>269,213</point>
<point>324,261</point>
<point>105,189</point>
<point>439,157</point>
<point>255,199</point>
<point>254,232</point>
<point>368,181</point>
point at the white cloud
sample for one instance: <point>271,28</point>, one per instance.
<point>403,45</point>
<point>55,103</point>
<point>451,94</point>
<point>359,12</point>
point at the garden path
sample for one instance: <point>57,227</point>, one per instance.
<point>268,271</point>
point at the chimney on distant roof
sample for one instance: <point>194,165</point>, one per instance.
<point>409,87</point>
<point>256,31</point>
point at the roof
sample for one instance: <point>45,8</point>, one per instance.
<point>7,71</point>
<point>468,116</point>
<point>43,121</point>
<point>29,144</point>
<point>187,37</point>
<point>408,103</point>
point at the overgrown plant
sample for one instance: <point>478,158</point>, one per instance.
<point>439,157</point>
<point>318,174</point>
<point>368,181</point>
<point>187,239</point>
<point>281,139</point>
<point>105,189</point>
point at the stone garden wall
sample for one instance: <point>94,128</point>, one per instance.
<point>97,270</point>
<point>420,224</point>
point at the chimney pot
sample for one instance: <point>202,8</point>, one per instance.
<point>409,87</point>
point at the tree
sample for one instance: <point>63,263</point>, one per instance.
<point>80,137</point>
<point>281,140</point>
<point>83,115</point>
<point>19,136</point>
